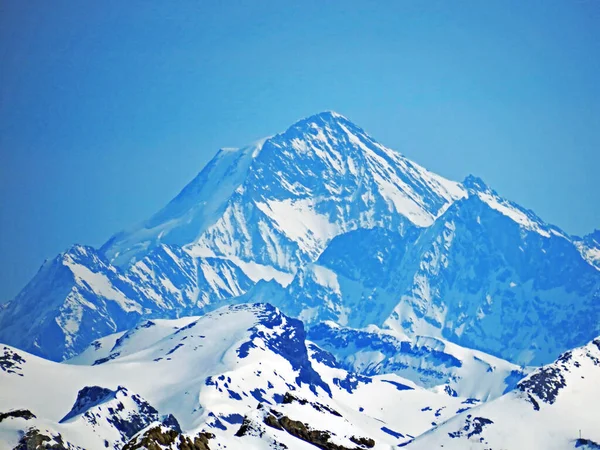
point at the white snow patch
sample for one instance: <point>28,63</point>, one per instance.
<point>510,211</point>
<point>101,285</point>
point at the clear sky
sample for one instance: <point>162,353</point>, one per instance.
<point>108,108</point>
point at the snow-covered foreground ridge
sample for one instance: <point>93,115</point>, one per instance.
<point>245,377</point>
<point>208,375</point>
<point>413,290</point>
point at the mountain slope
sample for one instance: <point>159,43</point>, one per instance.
<point>428,362</point>
<point>549,410</point>
<point>79,297</point>
<point>198,205</point>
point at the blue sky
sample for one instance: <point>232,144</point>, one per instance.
<point>107,109</point>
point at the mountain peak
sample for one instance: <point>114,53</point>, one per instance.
<point>594,236</point>
<point>473,183</point>
<point>291,181</point>
<point>322,119</point>
<point>327,115</point>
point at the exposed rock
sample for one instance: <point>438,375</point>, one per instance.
<point>586,444</point>
<point>18,413</point>
<point>272,421</point>
<point>34,439</point>
<point>544,384</point>
<point>159,437</point>
<point>472,427</point>
<point>87,398</point>
<point>366,442</point>
<point>302,431</point>
<point>289,398</point>
<point>11,361</point>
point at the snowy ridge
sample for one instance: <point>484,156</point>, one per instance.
<point>244,377</point>
<point>552,405</point>
<point>206,376</point>
<point>79,297</point>
<point>525,218</point>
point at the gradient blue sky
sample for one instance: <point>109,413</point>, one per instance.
<point>108,108</point>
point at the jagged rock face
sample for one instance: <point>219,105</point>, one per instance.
<point>19,413</point>
<point>589,247</point>
<point>35,439</point>
<point>121,411</point>
<point>546,383</point>
<point>289,343</point>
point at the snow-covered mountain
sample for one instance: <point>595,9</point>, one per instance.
<point>415,291</point>
<point>280,201</point>
<point>261,212</point>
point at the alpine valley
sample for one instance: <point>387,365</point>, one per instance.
<point>315,289</point>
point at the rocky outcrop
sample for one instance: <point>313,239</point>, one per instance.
<point>159,437</point>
